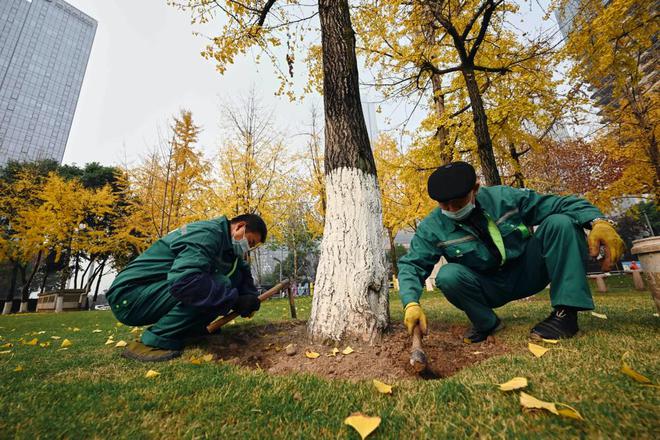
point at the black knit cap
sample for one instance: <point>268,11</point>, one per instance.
<point>452,181</point>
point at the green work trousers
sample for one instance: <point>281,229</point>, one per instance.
<point>555,254</point>
<point>152,304</point>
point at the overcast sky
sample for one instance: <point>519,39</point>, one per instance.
<point>145,65</point>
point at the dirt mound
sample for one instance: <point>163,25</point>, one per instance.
<point>265,348</point>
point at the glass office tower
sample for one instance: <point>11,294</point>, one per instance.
<point>44,48</point>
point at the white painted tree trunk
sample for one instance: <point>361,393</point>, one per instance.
<point>6,310</point>
<point>351,290</point>
<point>24,307</point>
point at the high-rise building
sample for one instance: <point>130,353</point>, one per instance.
<point>44,49</point>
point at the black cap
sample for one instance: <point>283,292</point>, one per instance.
<point>452,181</point>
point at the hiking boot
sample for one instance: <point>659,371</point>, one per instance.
<point>144,353</point>
<point>474,336</point>
<point>561,324</point>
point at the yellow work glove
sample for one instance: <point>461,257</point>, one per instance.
<point>413,315</point>
<point>603,234</point>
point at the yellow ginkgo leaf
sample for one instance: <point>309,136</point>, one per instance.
<point>45,344</point>
<point>41,332</point>
<point>531,402</point>
<point>151,374</point>
<point>121,344</point>
<point>363,424</point>
<point>34,341</point>
<point>382,387</point>
<point>119,324</point>
<point>135,330</point>
<point>66,343</point>
<point>333,352</point>
<point>207,357</point>
<point>75,329</point>
<point>347,350</point>
<point>599,315</point>
<point>98,330</point>
<point>568,411</point>
<point>551,341</point>
<point>56,337</point>
<point>628,371</point>
<point>7,345</point>
<point>196,361</point>
<point>537,350</point>
<point>18,368</point>
<point>312,354</point>
<point>514,384</point>
<point>5,351</point>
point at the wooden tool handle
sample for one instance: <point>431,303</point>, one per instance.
<point>215,325</point>
<point>417,338</point>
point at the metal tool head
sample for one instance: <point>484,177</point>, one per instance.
<point>418,360</point>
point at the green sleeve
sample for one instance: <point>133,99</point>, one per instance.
<point>194,248</point>
<point>534,207</point>
<point>416,266</point>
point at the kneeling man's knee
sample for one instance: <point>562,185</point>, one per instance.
<point>452,278</point>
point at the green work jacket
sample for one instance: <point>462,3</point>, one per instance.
<point>511,211</point>
<point>203,246</point>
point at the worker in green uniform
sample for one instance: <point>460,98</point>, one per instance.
<point>502,244</point>
<point>184,281</point>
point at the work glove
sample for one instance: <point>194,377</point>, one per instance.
<point>413,315</point>
<point>603,234</point>
<point>247,305</point>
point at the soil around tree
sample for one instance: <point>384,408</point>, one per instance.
<point>265,348</point>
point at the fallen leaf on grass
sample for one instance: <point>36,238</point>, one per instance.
<point>363,424</point>
<point>312,354</point>
<point>121,344</point>
<point>551,341</point>
<point>347,350</point>
<point>66,343</point>
<point>62,349</point>
<point>40,332</point>
<point>334,352</point>
<point>135,330</point>
<point>34,341</point>
<point>5,352</point>
<point>628,371</point>
<point>110,341</point>
<point>119,324</point>
<point>7,345</point>
<point>18,369</point>
<point>599,315</point>
<point>382,387</point>
<point>207,357</point>
<point>531,402</point>
<point>75,329</point>
<point>55,337</point>
<point>98,330</point>
<point>151,374</point>
<point>537,350</point>
<point>196,361</point>
<point>45,344</point>
<point>514,384</point>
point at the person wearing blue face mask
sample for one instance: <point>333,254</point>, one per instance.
<point>494,255</point>
<point>184,281</point>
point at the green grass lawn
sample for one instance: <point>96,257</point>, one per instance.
<point>88,391</point>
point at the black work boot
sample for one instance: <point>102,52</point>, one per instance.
<point>145,353</point>
<point>561,324</point>
<point>473,336</point>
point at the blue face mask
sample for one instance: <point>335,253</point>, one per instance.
<point>461,214</point>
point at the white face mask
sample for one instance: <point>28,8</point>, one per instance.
<point>462,213</point>
<point>241,247</point>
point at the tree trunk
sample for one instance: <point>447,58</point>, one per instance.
<point>351,296</point>
<point>9,301</point>
<point>98,284</point>
<point>75,271</point>
<point>484,142</point>
<point>441,131</point>
<point>395,266</point>
<point>25,293</point>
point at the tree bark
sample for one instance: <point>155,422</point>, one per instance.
<point>395,266</point>
<point>481,132</point>
<point>351,295</point>
<point>98,284</point>
<point>12,291</point>
<point>441,130</point>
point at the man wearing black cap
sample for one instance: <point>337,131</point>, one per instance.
<point>493,257</point>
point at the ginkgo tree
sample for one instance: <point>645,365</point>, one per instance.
<point>351,284</point>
